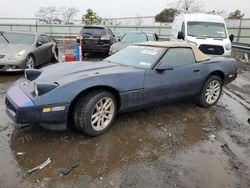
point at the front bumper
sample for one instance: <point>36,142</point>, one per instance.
<point>22,110</point>
<point>12,65</point>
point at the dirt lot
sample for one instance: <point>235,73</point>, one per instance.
<point>173,145</point>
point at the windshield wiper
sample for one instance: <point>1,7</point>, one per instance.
<point>1,33</point>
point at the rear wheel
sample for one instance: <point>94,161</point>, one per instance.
<point>30,62</point>
<point>210,92</point>
<point>95,112</point>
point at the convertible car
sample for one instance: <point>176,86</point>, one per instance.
<point>90,94</point>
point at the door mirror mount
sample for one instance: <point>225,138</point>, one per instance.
<point>231,38</point>
<point>181,35</point>
<point>163,67</point>
<point>39,43</point>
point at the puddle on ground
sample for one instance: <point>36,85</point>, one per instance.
<point>135,137</point>
<point>7,79</point>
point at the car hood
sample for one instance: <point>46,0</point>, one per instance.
<point>9,49</point>
<point>63,73</point>
<point>120,45</point>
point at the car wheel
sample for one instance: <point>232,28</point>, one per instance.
<point>54,53</point>
<point>95,112</point>
<point>210,92</point>
<point>30,62</point>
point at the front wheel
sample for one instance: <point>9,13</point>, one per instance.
<point>30,62</point>
<point>95,112</point>
<point>210,92</point>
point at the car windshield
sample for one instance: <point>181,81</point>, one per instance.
<point>17,38</point>
<point>137,56</point>
<point>134,37</point>
<point>94,31</point>
<point>206,29</point>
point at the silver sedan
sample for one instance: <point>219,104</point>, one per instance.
<point>19,50</point>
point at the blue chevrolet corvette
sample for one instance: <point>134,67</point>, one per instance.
<point>90,94</point>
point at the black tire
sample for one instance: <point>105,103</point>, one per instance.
<point>201,98</point>
<point>86,106</point>
<point>30,62</point>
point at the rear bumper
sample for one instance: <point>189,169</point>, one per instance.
<point>104,48</point>
<point>229,78</point>
<point>21,109</point>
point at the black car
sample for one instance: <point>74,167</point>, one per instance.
<point>97,39</point>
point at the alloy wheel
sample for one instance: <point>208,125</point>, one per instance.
<point>212,92</point>
<point>103,113</point>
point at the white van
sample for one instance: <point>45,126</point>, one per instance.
<point>208,32</point>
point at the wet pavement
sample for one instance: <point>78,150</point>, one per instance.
<point>172,145</point>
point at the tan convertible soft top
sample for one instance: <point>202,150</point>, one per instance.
<point>199,56</point>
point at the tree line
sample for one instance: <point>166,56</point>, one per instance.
<point>191,6</point>
<point>63,15</point>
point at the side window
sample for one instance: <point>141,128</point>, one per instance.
<point>40,39</point>
<point>110,32</point>
<point>178,57</point>
<point>150,37</point>
<point>45,39</point>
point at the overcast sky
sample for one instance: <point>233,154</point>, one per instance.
<point>112,8</point>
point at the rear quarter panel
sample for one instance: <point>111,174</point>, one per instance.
<point>223,64</point>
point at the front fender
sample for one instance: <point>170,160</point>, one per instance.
<point>67,93</point>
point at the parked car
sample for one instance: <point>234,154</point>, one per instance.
<point>97,39</point>
<point>118,35</point>
<point>208,32</point>
<point>132,37</point>
<point>90,94</point>
<point>19,50</point>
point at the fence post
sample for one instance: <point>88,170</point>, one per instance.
<point>50,30</point>
<point>239,31</point>
<point>36,25</point>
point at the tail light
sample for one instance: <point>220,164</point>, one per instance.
<point>105,37</point>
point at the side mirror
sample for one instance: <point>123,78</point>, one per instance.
<point>39,43</point>
<point>181,35</point>
<point>231,38</point>
<point>164,66</point>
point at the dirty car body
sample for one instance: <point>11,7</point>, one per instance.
<point>20,50</point>
<point>139,76</point>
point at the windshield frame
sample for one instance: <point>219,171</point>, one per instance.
<point>211,24</point>
<point>153,64</point>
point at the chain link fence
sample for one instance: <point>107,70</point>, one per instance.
<point>240,28</point>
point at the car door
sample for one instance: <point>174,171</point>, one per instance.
<point>47,43</point>
<point>183,81</point>
<point>40,52</point>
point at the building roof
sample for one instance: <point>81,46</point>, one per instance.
<point>199,56</point>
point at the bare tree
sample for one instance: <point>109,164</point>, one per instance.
<point>68,14</point>
<point>222,13</point>
<point>187,6</point>
<point>47,14</point>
